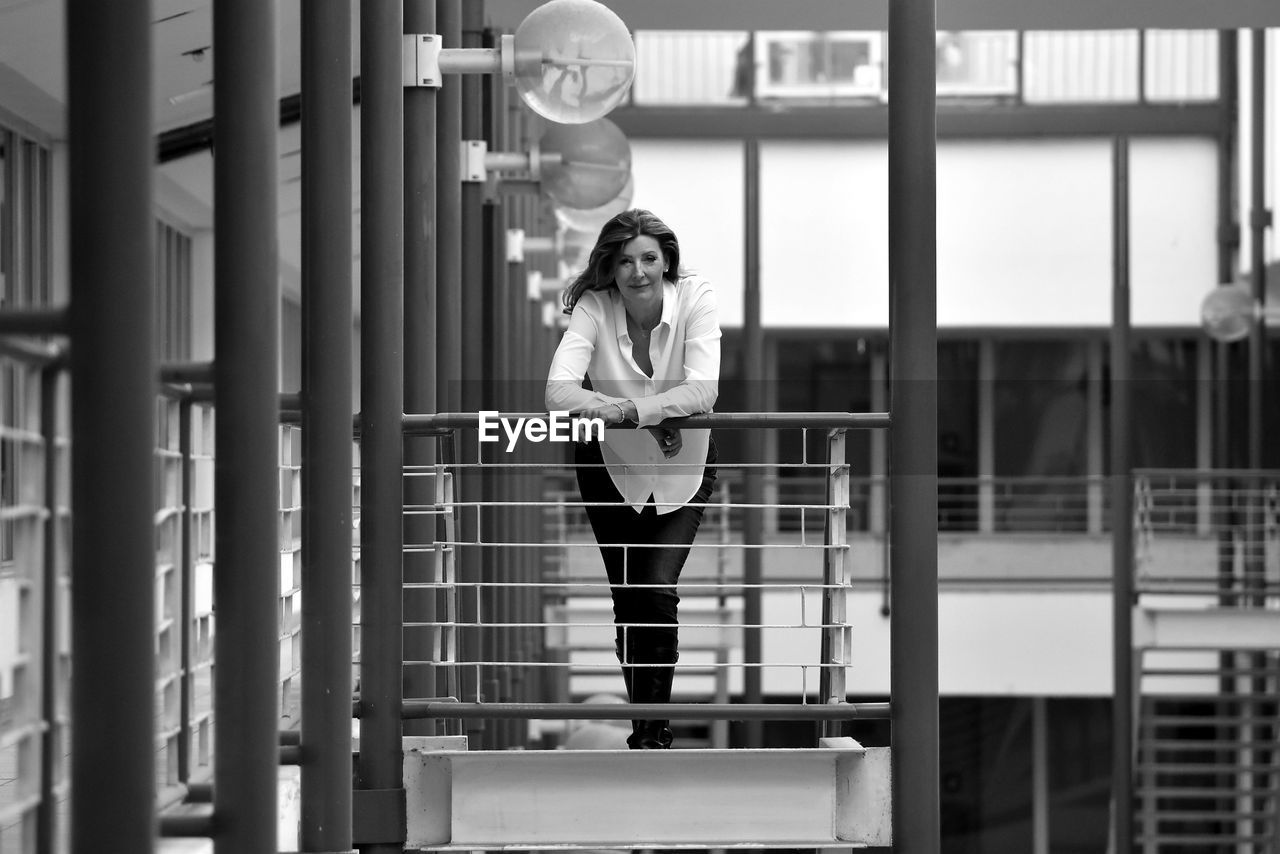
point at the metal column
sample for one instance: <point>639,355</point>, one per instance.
<point>327,390</point>
<point>753,374</point>
<point>448,219</point>
<point>381,415</point>
<point>913,444</point>
<point>246,488</point>
<point>246,585</point>
<point>472,348</point>
<point>1122,712</point>
<point>420,349</point>
<point>1259,221</point>
<point>113,386</point>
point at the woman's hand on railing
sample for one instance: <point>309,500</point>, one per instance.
<point>668,439</point>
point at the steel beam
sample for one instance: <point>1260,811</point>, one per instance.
<point>820,797</point>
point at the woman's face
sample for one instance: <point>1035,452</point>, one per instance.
<point>639,275</point>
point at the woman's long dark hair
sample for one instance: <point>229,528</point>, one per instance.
<point>616,233</point>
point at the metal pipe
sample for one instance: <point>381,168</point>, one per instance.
<point>1259,220</point>
<point>448,220</point>
<point>46,813</point>
<point>34,321</point>
<point>496,325</point>
<point>673,711</point>
<point>381,400</point>
<point>473,347</point>
<point>1121,513</point>
<point>471,60</point>
<point>753,372</point>
<point>181,373</point>
<point>913,438</point>
<point>113,371</point>
<point>246,479</point>
<point>420,348</point>
<point>186,576</point>
<point>326,403</point>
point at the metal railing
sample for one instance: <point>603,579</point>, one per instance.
<point>35,583</point>
<point>498,586</point>
<point>1209,532</point>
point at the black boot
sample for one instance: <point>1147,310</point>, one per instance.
<point>650,684</point>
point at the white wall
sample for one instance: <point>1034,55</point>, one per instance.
<point>1024,229</point>
<point>696,188</point>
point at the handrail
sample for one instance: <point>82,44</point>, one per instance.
<point>35,321</point>
<point>671,711</point>
<point>37,353</point>
<point>422,424</point>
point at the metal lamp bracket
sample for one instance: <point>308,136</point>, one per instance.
<point>473,157</point>
<point>515,245</point>
<point>421,60</point>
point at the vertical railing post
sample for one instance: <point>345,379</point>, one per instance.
<point>46,815</point>
<point>379,774</point>
<point>754,372</point>
<point>913,439</point>
<point>186,580</point>
<point>113,386</point>
<point>1122,590</point>
<point>327,390</point>
<point>836,636</point>
<point>246,471</point>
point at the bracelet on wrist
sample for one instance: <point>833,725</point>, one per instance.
<point>622,411</point>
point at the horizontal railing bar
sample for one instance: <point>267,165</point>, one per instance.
<point>578,586</point>
<point>35,321</point>
<point>193,373</point>
<point>419,423</point>
<point>612,666</point>
<point>35,353</point>
<point>460,624</point>
<point>196,826</point>
<point>413,709</point>
<point>418,549</point>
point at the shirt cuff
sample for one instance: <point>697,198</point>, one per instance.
<point>648,411</point>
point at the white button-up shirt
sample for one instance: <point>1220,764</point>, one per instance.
<point>685,351</point>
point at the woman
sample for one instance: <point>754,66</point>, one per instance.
<point>648,339</point>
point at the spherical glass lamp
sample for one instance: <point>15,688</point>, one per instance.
<point>591,220</point>
<point>574,61</point>
<point>1228,313</point>
<point>590,164</point>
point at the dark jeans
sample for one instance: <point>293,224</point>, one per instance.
<point>642,578</point>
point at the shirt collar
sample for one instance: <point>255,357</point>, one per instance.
<point>668,308</point>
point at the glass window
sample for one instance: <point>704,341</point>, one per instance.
<point>823,375</point>
<point>1040,421</point>
<point>700,67</point>
<point>1079,772</point>
<point>985,767</point>
<point>958,435</point>
<point>1163,403</point>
